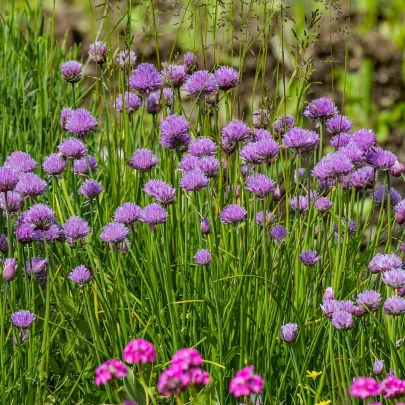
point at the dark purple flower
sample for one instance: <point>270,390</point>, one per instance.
<point>299,203</point>
<point>202,146</point>
<point>30,185</point>
<point>397,169</point>
<point>145,79</point>
<point>400,212</point>
<point>12,204</point>
<point>160,191</point>
<point>114,232</point>
<point>364,139</point>
<point>190,63</point>
<point>300,140</point>
<point>369,299</point>
<point>143,160</point>
<point>153,214</point>
<point>3,244</point>
<point>153,105</point>
<point>394,278</point>
<point>277,194</point>
<point>9,269</point>
<point>378,367</point>
<point>174,132</point>
<point>233,214</point>
<point>203,257</point>
<point>352,152</point>
<point>283,124</point>
<point>75,229</point>
<point>72,149</point>
<point>22,319</point>
<point>20,162</point>
<point>394,306</point>
<point>342,320</point>
<point>193,180</point>
<point>205,226</point>
<point>310,258</point>
<point>81,122</point>
<point>320,109</point>
<point>260,118</point>
<point>167,96</point>
<point>54,165</point>
<point>8,179</point>
<point>362,178</point>
<point>51,235</point>
<point>187,163</point>
<point>64,116</point>
<point>331,166</point>
<point>381,195</point>
<point>209,166</point>
<point>129,104</point>
<point>236,131</point>
<point>260,185</point>
<point>383,262</point>
<point>127,59</point>
<point>173,381</point>
<point>127,213</point>
<point>98,52</point>
<point>380,158</point>
<point>322,204</point>
<point>338,124</point>
<point>71,71</point>
<point>200,83</point>
<point>270,218</point>
<point>81,166</point>
<point>81,275</point>
<point>39,216</point>
<point>175,75</point>
<point>110,370</point>
<point>90,189</point>
<point>228,145</point>
<point>278,233</point>
<point>340,140</point>
<point>226,77</point>
<point>289,332</point>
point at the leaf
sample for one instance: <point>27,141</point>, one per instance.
<point>134,389</point>
<point>209,396</point>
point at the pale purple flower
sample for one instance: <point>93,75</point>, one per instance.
<point>12,204</point>
<point>202,146</point>
<point>260,185</point>
<point>364,139</point>
<point>267,149</point>
<point>329,294</point>
<point>81,166</point>
<point>260,134</point>
<point>190,63</point>
<point>203,257</point>
<point>20,162</point>
<point>75,229</point>
<point>228,145</point>
<point>329,306</point>
<point>51,235</point>
<point>320,109</point>
<point>127,59</point>
<point>174,132</point>
<point>362,178</point>
<point>110,370</point>
<point>143,160</point>
<point>160,191</point>
<point>90,189</point>
<point>72,149</point>
<point>54,165</point>
<point>30,185</point>
<point>81,275</point>
<point>397,169</point>
<point>364,387</point>
<point>381,195</point>
<point>205,226</point>
<point>338,124</point>
<point>283,124</point>
<point>400,212</point>
<point>9,269</point>
<point>383,262</point>
<point>39,216</point>
<point>378,367</point>
<point>167,93</point>
<point>340,140</point>
<point>153,214</point>
<point>193,180</point>
<point>24,233</point>
<point>249,153</point>
<point>22,319</point>
<point>332,166</point>
<point>300,140</point>
<point>394,306</point>
<point>71,71</point>
<point>139,351</point>
<point>187,163</point>
<point>175,75</point>
<point>394,278</point>
<point>278,233</point>
<point>81,122</point>
<point>322,204</point>
<point>208,165</point>
<point>64,116</point>
<point>342,320</point>
<point>310,257</point>
<point>36,266</point>
<point>352,152</point>
<point>173,381</point>
<point>233,214</point>
<point>289,332</point>
<point>260,118</point>
<point>114,232</point>
<point>236,131</point>
<point>8,179</point>
<point>145,79</point>
<point>270,218</point>
<point>380,158</point>
<point>200,83</point>
<point>226,77</point>
<point>98,52</point>
<point>369,299</point>
<point>351,228</point>
<point>129,104</point>
<point>127,214</point>
<point>246,382</point>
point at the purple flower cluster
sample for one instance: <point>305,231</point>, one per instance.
<point>246,383</point>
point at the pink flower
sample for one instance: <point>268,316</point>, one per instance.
<point>364,387</point>
<point>173,381</point>
<point>187,358</point>
<point>392,387</point>
<point>109,370</point>
<point>139,351</point>
<point>245,382</point>
<point>199,376</point>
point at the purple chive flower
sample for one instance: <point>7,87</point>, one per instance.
<point>81,275</point>
<point>51,235</point>
<point>351,229</point>
<point>75,229</point>
<point>300,140</point>
<point>322,204</point>
<point>187,163</point>
<point>64,116</point>
<point>90,189</point>
<point>209,166</point>
<point>310,258</point>
<point>30,185</point>
<point>278,233</point>
<point>289,332</point>
<point>400,212</point>
<point>233,214</point>
<point>246,382</point>
<point>22,319</point>
<point>81,166</point>
<point>98,52</point>
<point>190,63</point>
<point>14,202</point>
<point>205,226</point>
<point>338,124</point>
<point>200,83</point>
<point>8,179</point>
<point>236,131</point>
<point>364,139</point>
<point>174,132</point>
<point>340,140</point>
<point>145,79</point>
<point>320,109</point>
<point>9,269</point>
<point>139,351</point>
<point>153,214</point>
<point>110,370</point>
<point>383,262</point>
<point>364,387</point>
<point>24,234</point>
<point>20,162</point>
<point>380,158</point>
<point>3,244</point>
<point>332,166</point>
<point>260,118</point>
<point>39,216</point>
<point>394,278</point>
<point>72,149</point>
<point>167,96</point>
<point>299,204</point>
<point>381,196</point>
<point>329,306</point>
<point>129,104</point>
<point>394,306</point>
<point>175,75</point>
<point>277,194</point>
<point>329,294</point>
<point>193,180</point>
<point>203,257</point>
<point>173,381</point>
<point>127,214</point>
<point>81,122</point>
<point>260,185</point>
<point>369,299</point>
<point>53,165</point>
<point>378,367</point>
<point>153,105</point>
<point>249,153</point>
<point>362,178</point>
<point>267,149</point>
<point>160,191</point>
<point>114,232</point>
<point>260,135</point>
<point>143,160</point>
<point>347,306</point>
<point>270,218</point>
<point>202,146</point>
<point>342,320</point>
<point>37,267</point>
<point>352,152</point>
<point>226,77</point>
<point>283,124</point>
<point>71,71</point>
<point>397,169</point>
<point>127,59</point>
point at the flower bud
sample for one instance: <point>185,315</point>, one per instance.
<point>9,269</point>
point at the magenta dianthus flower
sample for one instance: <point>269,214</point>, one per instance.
<point>139,351</point>
<point>246,382</point>
<point>364,387</point>
<point>110,370</point>
<point>173,381</point>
